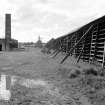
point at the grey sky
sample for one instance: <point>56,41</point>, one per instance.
<point>48,18</point>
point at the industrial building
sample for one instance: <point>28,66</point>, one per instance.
<point>7,43</point>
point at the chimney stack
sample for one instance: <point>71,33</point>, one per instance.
<point>7,31</point>
<point>8,26</point>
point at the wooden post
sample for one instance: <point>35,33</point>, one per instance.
<point>103,56</point>
<point>79,57</point>
<point>95,47</point>
<point>91,46</point>
<point>56,53</point>
<point>76,44</point>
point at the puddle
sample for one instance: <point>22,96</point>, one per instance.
<point>5,94</point>
<point>9,81</point>
<point>32,83</point>
<point>7,68</point>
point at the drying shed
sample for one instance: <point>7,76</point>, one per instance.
<point>86,43</point>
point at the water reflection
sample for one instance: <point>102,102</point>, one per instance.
<point>8,81</point>
<point>5,93</point>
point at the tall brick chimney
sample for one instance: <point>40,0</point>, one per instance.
<point>8,26</point>
<point>7,31</point>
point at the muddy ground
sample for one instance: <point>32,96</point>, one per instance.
<point>53,83</point>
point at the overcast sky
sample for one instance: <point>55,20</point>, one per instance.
<point>48,18</point>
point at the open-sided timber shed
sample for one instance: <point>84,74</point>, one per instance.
<point>86,43</point>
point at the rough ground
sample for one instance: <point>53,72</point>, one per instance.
<point>49,83</point>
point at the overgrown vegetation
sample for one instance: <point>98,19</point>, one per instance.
<point>89,82</point>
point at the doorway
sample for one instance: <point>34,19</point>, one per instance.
<point>0,47</point>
